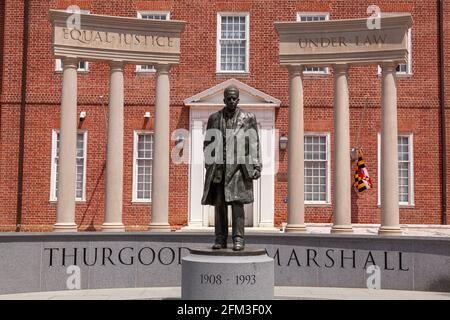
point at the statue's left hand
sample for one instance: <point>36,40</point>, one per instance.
<point>256,174</point>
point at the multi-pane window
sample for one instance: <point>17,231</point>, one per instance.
<point>83,66</point>
<point>233,42</point>
<point>151,15</point>
<point>316,168</point>
<point>80,166</point>
<point>402,68</point>
<point>309,17</point>
<point>406,68</point>
<point>405,169</point>
<point>143,160</point>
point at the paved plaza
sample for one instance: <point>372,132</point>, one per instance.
<point>281,293</point>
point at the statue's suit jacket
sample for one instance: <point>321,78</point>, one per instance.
<point>238,182</point>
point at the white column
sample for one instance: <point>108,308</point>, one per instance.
<point>267,180</point>
<point>342,173</point>
<point>160,171</point>
<point>296,202</point>
<point>196,175</point>
<point>65,210</point>
<point>114,152</point>
<point>390,219</point>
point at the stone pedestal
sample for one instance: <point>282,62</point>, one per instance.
<point>227,275</point>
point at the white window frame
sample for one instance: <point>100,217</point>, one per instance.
<point>59,68</point>
<point>247,41</point>
<point>410,203</point>
<point>134,197</point>
<point>53,197</point>
<point>409,70</point>
<point>326,70</point>
<point>58,62</point>
<point>328,169</point>
<point>139,68</point>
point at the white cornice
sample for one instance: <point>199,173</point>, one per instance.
<point>341,25</point>
<point>114,23</point>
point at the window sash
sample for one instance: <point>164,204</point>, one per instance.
<point>80,188</point>
<point>316,170</point>
<point>83,66</point>
<point>405,169</point>
<point>232,42</point>
<point>143,163</point>
<point>402,68</point>
<point>309,17</point>
<point>151,15</point>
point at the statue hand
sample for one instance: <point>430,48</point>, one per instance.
<point>256,174</point>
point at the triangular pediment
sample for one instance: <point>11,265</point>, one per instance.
<point>248,96</point>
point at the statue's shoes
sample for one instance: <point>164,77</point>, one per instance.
<point>217,246</point>
<point>238,246</point>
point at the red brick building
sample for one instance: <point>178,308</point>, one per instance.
<point>30,92</point>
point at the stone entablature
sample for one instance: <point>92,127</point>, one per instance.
<point>131,40</point>
<point>344,41</point>
<point>117,41</point>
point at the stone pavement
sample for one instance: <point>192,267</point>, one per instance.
<point>281,293</point>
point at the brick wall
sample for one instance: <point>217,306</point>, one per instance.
<point>418,105</point>
<point>447,94</point>
<point>2,22</point>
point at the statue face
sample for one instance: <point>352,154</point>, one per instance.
<point>231,99</point>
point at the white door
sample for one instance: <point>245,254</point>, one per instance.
<point>260,213</point>
<point>248,209</point>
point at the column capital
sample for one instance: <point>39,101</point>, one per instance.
<point>295,69</point>
<point>70,62</point>
<point>388,66</point>
<point>163,68</point>
<point>340,68</point>
<point>116,65</point>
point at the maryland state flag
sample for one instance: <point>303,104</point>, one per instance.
<point>362,179</point>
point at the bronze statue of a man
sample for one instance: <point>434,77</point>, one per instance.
<point>232,160</point>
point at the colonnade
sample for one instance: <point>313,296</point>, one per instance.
<point>342,171</point>
<point>65,212</point>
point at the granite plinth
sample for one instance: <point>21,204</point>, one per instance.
<point>227,275</point>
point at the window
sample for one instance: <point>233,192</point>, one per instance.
<point>404,69</point>
<point>80,163</point>
<point>143,160</point>
<point>308,17</point>
<point>151,15</point>
<point>83,66</point>
<point>233,42</point>
<point>405,169</point>
<point>317,166</point>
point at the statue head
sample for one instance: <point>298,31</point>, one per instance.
<point>231,97</point>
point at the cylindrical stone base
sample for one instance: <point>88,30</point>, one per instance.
<point>227,275</point>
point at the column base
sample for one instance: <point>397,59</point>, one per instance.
<point>159,227</point>
<point>113,227</point>
<point>298,228</point>
<point>65,227</point>
<point>341,229</point>
<point>390,231</point>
